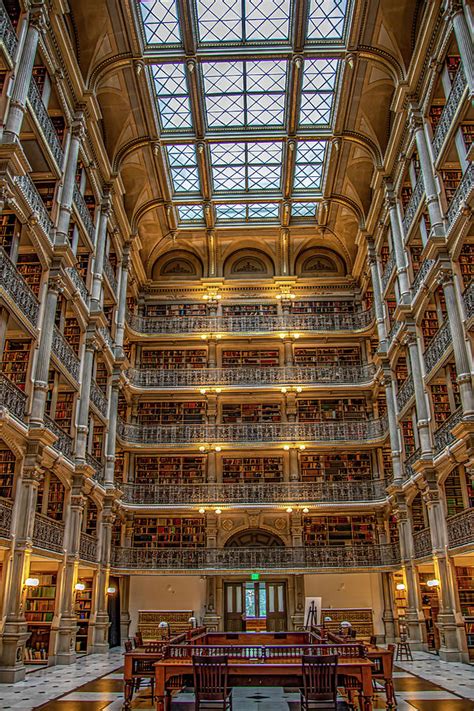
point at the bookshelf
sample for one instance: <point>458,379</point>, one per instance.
<point>417,514</point>
<point>39,75</point>
<point>101,375</point>
<point>174,359</point>
<point>343,355</point>
<point>83,609</point>
<point>451,179</point>
<point>467,132</point>
<point>47,190</point>
<point>435,115</point>
<point>29,266</point>
<point>466,263</point>
<point>117,533</point>
<point>393,529</point>
<point>441,406</point>
<point>170,470</point>
<point>252,469</point>
<point>174,310</point>
<point>91,204</point>
<point>171,413</point>
<point>465,582</point>
<point>16,358</point>
<point>452,65</point>
<point>59,125</point>
<point>453,493</point>
<point>90,518</point>
<point>400,597</point>
<point>405,195</point>
<point>97,441</point>
<point>338,530</point>
<point>55,503</point>
<point>119,465</point>
<point>429,324</point>
<point>259,359</point>
<point>82,264</point>
<point>64,410</point>
<point>408,436</point>
<point>387,462</point>
<point>401,370</point>
<point>7,473</point>
<point>161,532</point>
<point>430,607</point>
<point>236,413</point>
<point>249,309</point>
<point>384,255</point>
<point>415,253</point>
<point>39,612</point>
<point>9,225</point>
<point>342,466</point>
<point>323,307</point>
<point>323,410</point>
<point>72,333</point>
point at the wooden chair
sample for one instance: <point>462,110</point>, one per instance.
<point>403,650</point>
<point>210,682</point>
<point>319,682</point>
<point>373,640</point>
<point>128,645</point>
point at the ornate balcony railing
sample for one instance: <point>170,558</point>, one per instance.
<point>420,277</point>
<point>148,378</point>
<point>12,398</point>
<point>64,443</point>
<point>83,212</point>
<point>459,201</point>
<point>332,557</point>
<point>251,324</point>
<point>468,298</point>
<point>105,333</point>
<point>35,203</point>
<point>79,284</point>
<point>253,493</point>
<point>409,462</point>
<point>5,518</point>
<point>17,289</point>
<point>438,347</point>
<point>88,548</point>
<point>98,398</point>
<point>45,123</point>
<point>7,33</point>
<point>461,529</point>
<point>405,393</point>
<point>396,326</point>
<point>413,204</point>
<point>339,431</point>
<point>48,534</point>
<point>449,111</point>
<point>99,468</point>
<point>110,274</point>
<point>66,355</point>
<point>422,543</point>
<point>388,271</point>
<point>443,435</point>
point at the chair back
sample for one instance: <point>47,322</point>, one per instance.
<point>128,645</point>
<point>154,647</point>
<point>373,640</point>
<point>210,677</point>
<point>138,639</point>
<point>320,676</point>
<point>391,648</point>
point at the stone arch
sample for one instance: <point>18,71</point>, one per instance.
<point>320,262</point>
<point>177,265</point>
<point>249,264</point>
<point>254,538</point>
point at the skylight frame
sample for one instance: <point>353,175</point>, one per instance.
<point>183,166</point>
<point>240,38</point>
<point>196,219</point>
<point>324,38</point>
<point>170,20</point>
<point>247,164</point>
<point>312,76</point>
<point>177,77</point>
<point>248,212</point>
<point>309,166</point>
<point>306,215</point>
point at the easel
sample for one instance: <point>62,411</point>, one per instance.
<point>311,617</point>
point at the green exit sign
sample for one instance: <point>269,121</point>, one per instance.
<point>255,576</point>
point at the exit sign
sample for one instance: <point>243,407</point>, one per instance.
<point>255,576</point>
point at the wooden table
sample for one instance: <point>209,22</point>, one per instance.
<point>383,669</point>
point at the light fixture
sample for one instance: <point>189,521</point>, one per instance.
<point>302,447</point>
<point>306,510</point>
<point>286,447</point>
<point>289,510</point>
<point>203,337</point>
<point>296,335</point>
<point>345,625</point>
<point>433,583</point>
<point>283,335</point>
<point>203,391</point>
<point>299,389</point>
<point>401,586</point>
<point>32,582</point>
<point>218,511</point>
<point>218,390</point>
<point>283,390</point>
<point>201,510</point>
<point>111,590</point>
<point>192,621</point>
<point>328,619</point>
<point>163,625</point>
<point>218,449</point>
<point>202,448</point>
<point>79,587</point>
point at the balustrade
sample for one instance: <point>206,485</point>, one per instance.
<point>106,337</point>
<point>461,529</point>
<point>98,398</point>
<point>420,277</point>
<point>413,204</point>
<point>409,462</point>
<point>66,354</point>
<point>16,288</point>
<point>64,443</point>
<point>32,197</point>
<point>110,275</point>
<point>388,271</point>
<point>45,124</point>
<point>83,212</point>
<point>468,298</point>
<point>443,435</point>
<point>437,347</point>
<point>99,468</point>
<point>460,199</point>
<point>422,543</point>
<point>79,284</point>
<point>48,534</point>
<point>5,518</point>
<point>88,547</point>
<point>7,34</point>
<point>316,558</point>
<point>12,398</point>
<point>396,326</point>
<point>449,111</point>
<point>405,393</point>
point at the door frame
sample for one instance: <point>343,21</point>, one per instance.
<point>264,579</point>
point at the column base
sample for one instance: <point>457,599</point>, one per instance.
<point>100,633</point>
<point>389,624</point>
<point>415,633</point>
<point>297,621</point>
<point>124,626</point>
<point>66,641</point>
<point>12,666</point>
<point>451,638</point>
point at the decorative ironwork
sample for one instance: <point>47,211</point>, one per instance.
<point>413,204</point>
<point>253,493</point>
<point>65,354</point>
<point>338,431</point>
<point>443,435</point>
<point>5,518</point>
<point>83,212</point>
<point>48,534</point>
<point>468,298</point>
<point>251,376</point>
<point>422,543</point>
<point>449,111</point>
<point>461,529</point>
<point>110,274</point>
<point>88,547</point>
<point>78,283</point>
<point>64,443</point>
<point>420,277</point>
<point>409,462</point>
<point>98,398</point>
<point>36,204</point>
<point>105,333</point>
<point>332,557</point>
<point>17,289</point>
<point>396,326</point>
<point>45,123</point>
<point>405,393</point>
<point>12,398</point>
<point>7,33</point>
<point>460,196</point>
<point>388,271</point>
<point>438,347</point>
<point>99,468</point>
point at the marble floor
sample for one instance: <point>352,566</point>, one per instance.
<point>94,683</point>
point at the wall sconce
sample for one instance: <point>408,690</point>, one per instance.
<point>218,512</point>
<point>111,590</point>
<point>433,583</point>
<point>202,511</point>
<point>289,510</point>
<point>401,586</point>
<point>79,587</point>
<point>31,582</point>
<point>286,296</point>
<point>306,510</point>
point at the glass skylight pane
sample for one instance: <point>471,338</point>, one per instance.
<point>246,166</point>
<point>264,165</point>
<point>219,20</point>
<point>172,96</point>
<point>243,20</point>
<point>190,213</point>
<point>317,95</point>
<point>303,209</point>
<point>267,19</point>
<point>245,212</point>
<point>231,212</point>
<point>263,211</point>
<point>309,165</point>
<point>183,165</point>
<point>160,21</point>
<point>326,19</point>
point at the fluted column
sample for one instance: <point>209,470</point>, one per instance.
<point>96,291</point>
<point>24,73</point>
<point>456,13</point>
<point>395,444</point>
<point>420,398</point>
<point>294,469</point>
<point>122,305</point>
<point>388,606</point>
<point>83,414</point>
<point>40,387</point>
<point>112,430</point>
<point>461,358</point>
<point>65,208</point>
<point>377,291</point>
<point>100,623</point>
<point>398,243</point>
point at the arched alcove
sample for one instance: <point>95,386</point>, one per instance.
<point>254,538</point>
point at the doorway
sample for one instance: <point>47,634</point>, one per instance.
<point>255,606</point>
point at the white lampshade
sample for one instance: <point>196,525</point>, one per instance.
<point>192,621</point>
<point>433,583</point>
<point>401,586</point>
<point>163,625</point>
<point>346,624</point>
<point>111,590</point>
<point>32,582</point>
<point>79,587</point>
<point>328,619</point>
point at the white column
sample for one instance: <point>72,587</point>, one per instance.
<point>463,36</point>
<point>420,398</point>
<point>377,291</point>
<point>398,244</point>
<point>77,130</point>
<point>122,305</point>
<point>96,291</point>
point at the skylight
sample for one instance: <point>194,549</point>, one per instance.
<point>309,165</point>
<point>317,97</point>
<point>172,96</point>
<point>303,209</point>
<point>183,166</point>
<point>190,213</point>
<point>244,167</point>
<point>245,94</point>
<point>160,21</point>
<point>327,19</point>
<point>246,212</point>
<point>243,20</point>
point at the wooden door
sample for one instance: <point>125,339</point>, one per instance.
<point>234,607</point>
<point>276,607</point>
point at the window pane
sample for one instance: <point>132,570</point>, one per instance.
<point>160,21</point>
<point>327,19</point>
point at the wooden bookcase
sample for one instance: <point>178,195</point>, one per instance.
<point>164,531</point>
<point>174,359</point>
<point>400,597</point>
<point>252,469</point>
<point>387,462</point>
<point>7,473</point>
<point>29,266</point>
<point>257,358</point>
<point>119,466</point>
<point>90,518</point>
<point>97,441</point>
<point>83,609</point>
<point>9,225</point>
<point>250,412</point>
<point>465,581</point>
<point>343,355</point>
<point>174,310</point>
<point>408,436</point>
<point>16,358</point>
<point>342,466</point>
<point>429,324</point>
<point>101,375</point>
<point>401,370</point>
<point>64,410</point>
<point>72,333</point>
<point>249,309</point>
<point>46,190</point>
<point>451,179</point>
<point>452,64</point>
<point>430,607</point>
<point>82,264</point>
<point>39,613</point>
<point>466,263</point>
<point>405,195</point>
<point>418,518</point>
<point>441,406</point>
<point>453,493</point>
<point>170,470</point>
<point>59,125</point>
<point>171,413</point>
<point>323,410</point>
<point>467,132</point>
<point>338,530</point>
<point>323,307</point>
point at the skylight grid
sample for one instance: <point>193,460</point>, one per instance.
<point>160,21</point>
<point>303,209</point>
<point>245,94</point>
<point>183,167</point>
<point>244,167</point>
<point>190,213</point>
<point>246,212</point>
<point>172,96</point>
<point>239,21</point>
<point>317,96</point>
<point>309,165</point>
<point>327,19</point>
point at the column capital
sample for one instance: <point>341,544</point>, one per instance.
<point>452,8</point>
<point>415,117</point>
<point>56,282</point>
<point>445,276</point>
<point>78,125</point>
<point>390,196</point>
<point>38,15</point>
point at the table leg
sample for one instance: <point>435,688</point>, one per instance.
<point>160,689</point>
<point>367,703</point>
<point>128,694</point>
<point>390,694</point>
<point>367,690</point>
